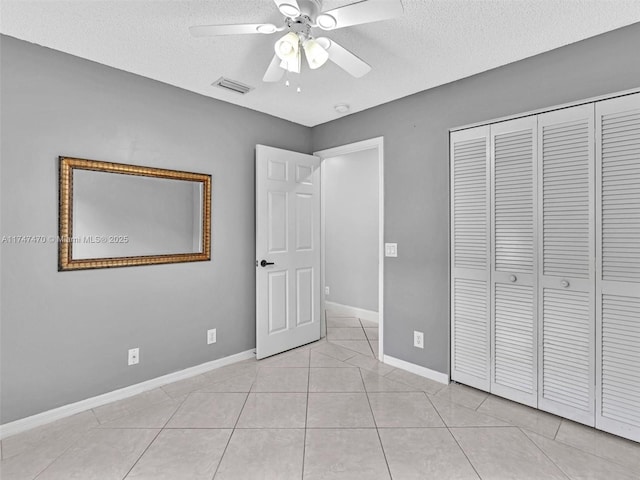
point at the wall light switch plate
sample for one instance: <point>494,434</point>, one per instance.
<point>134,356</point>
<point>327,290</point>
<point>211,336</point>
<point>390,249</point>
<point>418,339</point>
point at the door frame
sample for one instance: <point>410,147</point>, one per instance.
<point>373,143</point>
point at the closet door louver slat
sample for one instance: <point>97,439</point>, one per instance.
<point>470,301</point>
<point>514,335</point>
<point>618,266</point>
<point>566,281</point>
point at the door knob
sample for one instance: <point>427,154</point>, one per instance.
<point>513,278</point>
<point>264,263</point>
<point>564,283</point>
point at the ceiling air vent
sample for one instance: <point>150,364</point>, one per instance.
<point>232,85</point>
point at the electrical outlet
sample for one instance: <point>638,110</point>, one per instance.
<point>390,249</point>
<point>418,339</point>
<point>211,336</point>
<point>327,290</point>
<point>134,356</point>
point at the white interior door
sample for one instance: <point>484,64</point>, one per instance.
<point>287,250</point>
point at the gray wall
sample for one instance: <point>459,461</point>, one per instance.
<point>65,335</point>
<point>350,187</point>
<point>415,131</point>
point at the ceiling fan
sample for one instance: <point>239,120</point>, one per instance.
<point>300,16</point>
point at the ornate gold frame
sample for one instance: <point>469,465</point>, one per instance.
<point>65,233</point>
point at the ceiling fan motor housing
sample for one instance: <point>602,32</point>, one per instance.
<point>300,26</point>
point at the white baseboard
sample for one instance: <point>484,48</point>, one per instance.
<point>49,416</point>
<point>352,311</point>
<point>417,369</point>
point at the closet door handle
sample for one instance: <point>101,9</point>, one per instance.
<point>564,283</point>
<point>513,278</point>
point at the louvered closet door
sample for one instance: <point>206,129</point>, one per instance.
<point>618,266</point>
<point>566,366</point>
<point>470,301</point>
<point>514,323</point>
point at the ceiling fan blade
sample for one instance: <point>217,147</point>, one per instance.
<point>344,58</point>
<point>366,11</point>
<point>274,71</point>
<point>239,29</point>
<point>289,8</point>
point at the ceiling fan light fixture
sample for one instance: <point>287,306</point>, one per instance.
<point>288,50</point>
<point>266,28</point>
<point>316,55</point>
<point>285,49</point>
<point>288,46</point>
<point>289,10</point>
<point>326,21</point>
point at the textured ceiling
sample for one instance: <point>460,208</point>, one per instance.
<point>435,42</point>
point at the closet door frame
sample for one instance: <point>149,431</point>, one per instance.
<point>515,277</point>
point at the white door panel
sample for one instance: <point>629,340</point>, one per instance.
<point>288,238</point>
<point>470,240</point>
<point>566,367</point>
<point>618,266</point>
<point>513,260</point>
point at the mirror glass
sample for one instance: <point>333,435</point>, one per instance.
<point>117,215</point>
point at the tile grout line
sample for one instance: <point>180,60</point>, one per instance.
<point>607,459</point>
<point>99,426</point>
<point>233,430</point>
<point>490,415</point>
<point>375,423</point>
<point>306,416</point>
<point>558,429</point>
<point>343,348</point>
<point>95,416</point>
<point>453,436</point>
<point>162,429</point>
<point>57,457</point>
<point>142,454</point>
<point>482,402</point>
<point>544,453</point>
<point>367,338</point>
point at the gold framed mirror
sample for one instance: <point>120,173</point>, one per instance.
<point>117,215</point>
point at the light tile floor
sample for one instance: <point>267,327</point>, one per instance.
<point>356,334</point>
<point>321,411</point>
